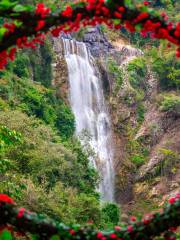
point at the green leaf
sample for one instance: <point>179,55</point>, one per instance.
<point>55,237</point>
<point>34,237</point>
<point>2,32</point>
<point>6,4</point>
<point>5,235</point>
<point>144,8</point>
<point>19,8</point>
<point>17,23</point>
<point>138,27</point>
<point>116,21</point>
<point>129,3</point>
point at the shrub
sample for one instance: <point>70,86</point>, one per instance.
<point>117,74</point>
<point>110,215</point>
<point>36,100</point>
<point>168,164</point>
<point>166,66</point>
<point>45,174</point>
<point>21,65</point>
<point>138,160</point>
<point>140,113</point>
<point>41,63</point>
<point>170,103</point>
<point>137,70</point>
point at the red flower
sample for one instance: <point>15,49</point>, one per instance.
<point>10,27</point>
<point>173,199</point>
<point>173,229</point>
<point>42,10</point>
<point>117,228</point>
<point>68,12</point>
<point>178,195</point>
<point>133,219</point>
<point>6,199</point>
<point>40,25</point>
<point>147,218</point>
<point>121,9</point>
<point>130,228</point>
<point>178,56</point>
<point>3,62</point>
<point>19,234</point>
<point>129,26</point>
<point>21,212</point>
<point>146,3</point>
<point>141,17</point>
<point>113,236</point>
<point>12,54</point>
<point>117,15</point>
<point>146,221</point>
<point>72,232</point>
<point>99,235</point>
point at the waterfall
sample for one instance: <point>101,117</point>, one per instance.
<point>91,114</point>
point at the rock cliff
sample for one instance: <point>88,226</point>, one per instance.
<point>146,139</point>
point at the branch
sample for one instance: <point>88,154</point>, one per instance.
<point>150,226</point>
<point>114,13</point>
<point>30,20</point>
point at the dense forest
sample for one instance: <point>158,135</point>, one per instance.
<point>46,167</point>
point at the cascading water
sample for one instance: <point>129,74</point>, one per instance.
<point>88,104</point>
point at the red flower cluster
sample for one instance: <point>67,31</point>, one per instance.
<point>141,17</point>
<point>68,12</point>
<point>5,56</point>
<point>129,232</point>
<point>6,199</point>
<point>117,228</point>
<point>129,26</point>
<point>10,27</point>
<point>174,199</point>
<point>177,31</point>
<point>72,232</point>
<point>23,42</point>
<point>42,10</point>
<point>93,12</point>
<point>133,219</point>
<point>40,25</point>
<point>21,212</point>
<point>146,3</point>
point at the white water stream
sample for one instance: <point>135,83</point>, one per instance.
<point>88,104</point>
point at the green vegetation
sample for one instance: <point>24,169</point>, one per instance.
<point>110,215</point>
<point>169,164</point>
<point>166,66</point>
<point>137,150</point>
<point>138,160</point>
<point>117,75</point>
<point>34,99</point>
<point>137,70</point>
<point>169,103</point>
<point>40,61</point>
<point>42,165</point>
<point>140,113</point>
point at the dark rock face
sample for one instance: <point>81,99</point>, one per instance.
<point>96,41</point>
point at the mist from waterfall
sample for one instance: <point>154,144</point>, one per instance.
<point>91,115</point>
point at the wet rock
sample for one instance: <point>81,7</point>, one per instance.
<point>95,39</point>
